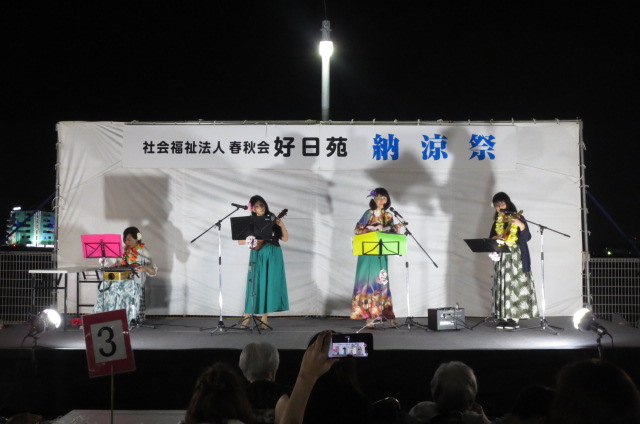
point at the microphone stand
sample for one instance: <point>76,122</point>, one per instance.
<point>544,326</point>
<point>220,327</point>
<point>410,321</point>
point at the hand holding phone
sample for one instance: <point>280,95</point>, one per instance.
<point>357,345</point>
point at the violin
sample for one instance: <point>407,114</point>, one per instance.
<point>510,215</point>
<point>507,217</point>
<point>390,227</point>
<point>260,243</point>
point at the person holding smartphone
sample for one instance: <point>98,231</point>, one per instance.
<point>326,390</point>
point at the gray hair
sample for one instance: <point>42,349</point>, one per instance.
<point>259,361</point>
<point>454,387</point>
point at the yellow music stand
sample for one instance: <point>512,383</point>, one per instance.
<point>379,243</point>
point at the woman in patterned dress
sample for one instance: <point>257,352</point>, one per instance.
<point>515,294</point>
<point>371,294</point>
<point>127,294</point>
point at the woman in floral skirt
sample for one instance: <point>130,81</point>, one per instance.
<point>371,294</point>
<point>127,294</point>
<point>515,294</point>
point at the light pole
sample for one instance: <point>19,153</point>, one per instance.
<point>326,49</point>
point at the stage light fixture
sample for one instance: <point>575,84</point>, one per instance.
<point>326,50</point>
<point>326,45</point>
<point>584,320</point>
<point>41,322</point>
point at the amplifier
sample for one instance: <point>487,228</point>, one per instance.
<point>116,275</point>
<point>445,319</point>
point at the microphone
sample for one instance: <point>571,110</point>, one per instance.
<point>395,212</point>
<point>239,206</point>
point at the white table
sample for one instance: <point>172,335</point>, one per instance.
<point>60,272</point>
<point>83,416</point>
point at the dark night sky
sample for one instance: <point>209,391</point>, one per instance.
<point>257,60</point>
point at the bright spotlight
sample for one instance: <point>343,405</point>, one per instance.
<point>584,320</point>
<point>326,48</point>
<point>43,321</point>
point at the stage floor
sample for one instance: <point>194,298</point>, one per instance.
<point>170,357</point>
<point>295,332</point>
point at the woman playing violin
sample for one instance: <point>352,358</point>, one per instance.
<point>515,294</point>
<point>128,294</point>
<point>266,277</point>
<point>371,294</point>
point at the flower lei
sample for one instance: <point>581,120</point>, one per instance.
<point>512,237</point>
<point>131,255</point>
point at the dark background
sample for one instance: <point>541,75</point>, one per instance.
<point>258,60</point>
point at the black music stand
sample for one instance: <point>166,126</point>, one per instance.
<point>380,248</point>
<point>260,227</point>
<point>384,248</point>
<point>488,245</point>
<point>101,245</point>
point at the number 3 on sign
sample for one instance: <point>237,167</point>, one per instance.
<point>108,344</point>
<point>108,341</point>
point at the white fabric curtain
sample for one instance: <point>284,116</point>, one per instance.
<point>443,204</point>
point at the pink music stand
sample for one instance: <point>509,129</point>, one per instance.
<point>101,245</point>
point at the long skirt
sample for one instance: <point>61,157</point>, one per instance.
<point>371,294</point>
<point>515,294</point>
<point>122,294</point>
<point>266,281</point>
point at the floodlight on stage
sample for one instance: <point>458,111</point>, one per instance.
<point>584,320</point>
<point>41,322</point>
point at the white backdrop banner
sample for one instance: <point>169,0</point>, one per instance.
<point>313,147</point>
<point>174,181</point>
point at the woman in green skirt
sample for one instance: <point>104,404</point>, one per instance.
<point>515,293</point>
<point>266,280</point>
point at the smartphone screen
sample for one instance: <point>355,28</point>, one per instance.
<point>358,345</point>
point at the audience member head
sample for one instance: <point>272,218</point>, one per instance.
<point>532,406</point>
<point>259,361</point>
<point>595,392</point>
<point>219,396</point>
<point>454,387</point>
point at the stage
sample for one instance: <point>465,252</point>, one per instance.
<point>52,377</point>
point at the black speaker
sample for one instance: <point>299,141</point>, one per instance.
<point>445,319</point>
